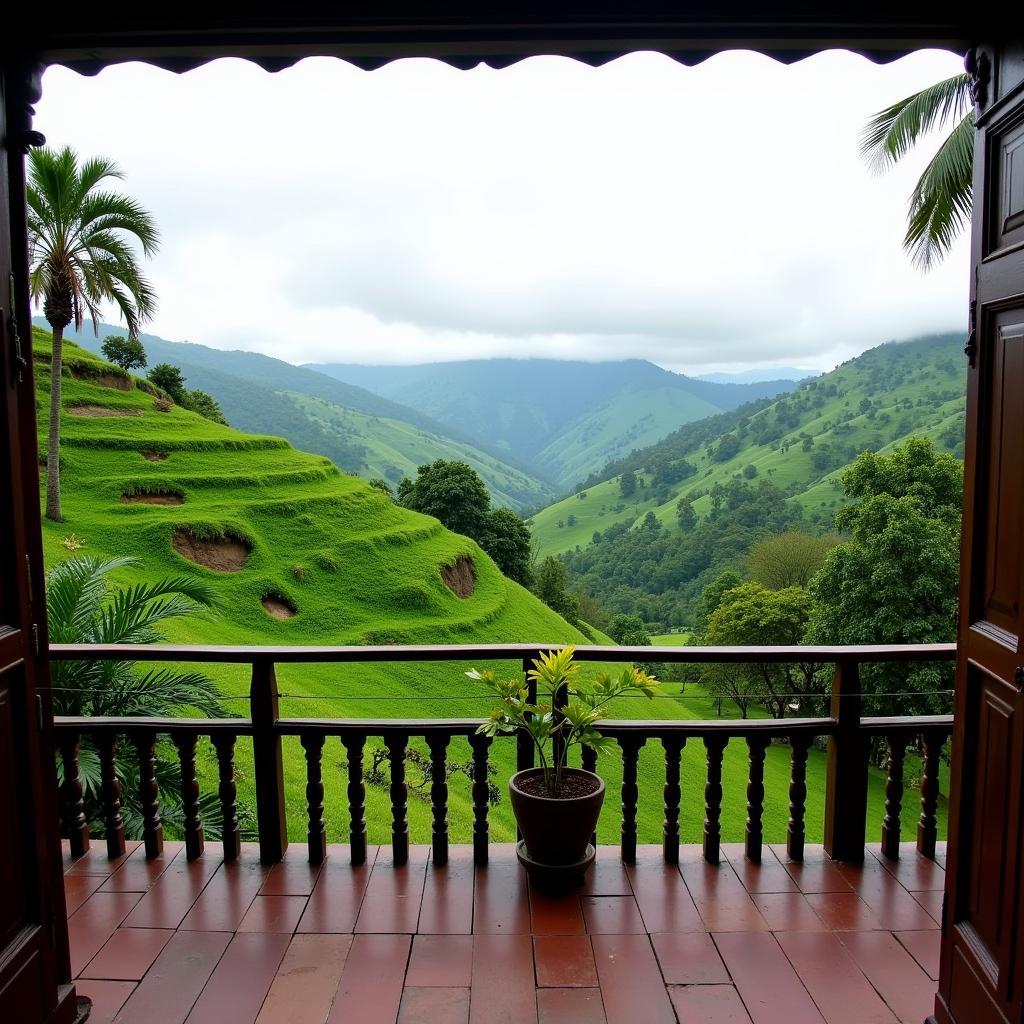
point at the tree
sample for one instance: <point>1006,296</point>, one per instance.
<point>169,379</point>
<point>685,515</point>
<point>895,580</point>
<point>789,559</point>
<point>627,484</point>
<point>713,594</point>
<point>452,492</point>
<point>753,615</point>
<point>80,255</point>
<point>204,404</point>
<point>506,538</point>
<point>940,204</point>
<point>629,631</point>
<point>127,353</point>
<point>551,585</point>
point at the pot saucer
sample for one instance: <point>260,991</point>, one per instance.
<point>555,875</point>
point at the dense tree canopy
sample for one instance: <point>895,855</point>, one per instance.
<point>506,538</point>
<point>452,492</point>
<point>629,630</point>
<point>125,352</point>
<point>789,560</point>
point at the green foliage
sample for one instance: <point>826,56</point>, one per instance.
<point>169,379</point>
<point>506,538</point>
<point>790,559</point>
<point>205,405</point>
<point>125,352</point>
<point>451,492</point>
<point>627,484</point>
<point>717,590</point>
<point>753,615</point>
<point>383,486</point>
<point>567,708</point>
<point>895,580</point>
<point>629,631</point>
<point>551,585</point>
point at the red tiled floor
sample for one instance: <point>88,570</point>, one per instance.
<point>608,876</point>
<point>788,911</point>
<point>95,860</point>
<point>273,914</point>
<point>612,915</point>
<point>631,983</point>
<point>338,894</point>
<point>307,980</point>
<point>294,876</point>
<point>894,907</point>
<point>816,873</point>
<point>570,1006</point>
<point>503,984</point>
<point>447,906</point>
<point>558,915</point>
<point>664,901</point>
<point>371,983</point>
<point>924,947</point>
<point>94,922</point>
<point>564,961</point>
<point>722,902</point>
<point>500,899</point>
<point>843,911</point>
<point>838,988</point>
<point>893,972</point>
<point>931,900</point>
<point>708,1004</point>
<point>445,961</point>
<point>136,874</point>
<point>171,896</point>
<point>391,902</point>
<point>914,872</point>
<point>768,876</point>
<point>107,998</point>
<point>223,903</point>
<point>128,954</point>
<point>434,1006</point>
<point>689,958</point>
<point>78,888</point>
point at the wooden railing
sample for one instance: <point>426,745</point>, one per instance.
<point>849,736</point>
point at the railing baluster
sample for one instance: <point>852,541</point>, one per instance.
<point>897,745</point>
<point>231,836</point>
<point>481,795</point>
<point>149,794</point>
<point>110,785</point>
<point>757,747</point>
<point>927,826</point>
<point>846,779</point>
<point>438,743</point>
<point>396,743</point>
<point>795,831</point>
<point>630,793</point>
<point>673,752</point>
<point>268,767</point>
<point>73,805</point>
<point>354,744</point>
<point>588,762</point>
<point>313,746</point>
<point>715,746</point>
<point>186,744</point>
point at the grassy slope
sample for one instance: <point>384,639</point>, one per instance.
<point>917,388</point>
<point>369,574</point>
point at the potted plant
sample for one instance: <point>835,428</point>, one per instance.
<point>557,806</point>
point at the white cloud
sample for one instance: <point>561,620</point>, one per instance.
<point>699,217</point>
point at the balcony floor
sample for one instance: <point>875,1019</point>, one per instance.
<point>165,941</point>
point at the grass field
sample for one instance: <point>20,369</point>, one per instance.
<point>358,569</point>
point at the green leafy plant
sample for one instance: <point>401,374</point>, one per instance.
<point>567,708</point>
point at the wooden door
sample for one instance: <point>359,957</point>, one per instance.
<point>982,970</point>
<point>33,931</point>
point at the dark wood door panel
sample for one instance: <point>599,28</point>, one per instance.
<point>969,1001</point>
<point>1006,160</point>
<point>14,917</point>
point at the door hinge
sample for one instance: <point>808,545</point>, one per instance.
<point>971,348</point>
<point>39,710</point>
<point>34,634</point>
<point>28,573</point>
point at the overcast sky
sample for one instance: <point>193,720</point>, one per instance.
<point>705,218</point>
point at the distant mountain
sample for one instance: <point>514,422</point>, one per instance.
<point>567,418</point>
<point>770,373</point>
<point>362,432</point>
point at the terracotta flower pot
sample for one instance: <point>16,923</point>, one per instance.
<point>556,830</point>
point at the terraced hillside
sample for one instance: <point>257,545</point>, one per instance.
<point>801,442</point>
<point>301,553</point>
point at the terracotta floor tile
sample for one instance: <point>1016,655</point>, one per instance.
<point>273,914</point>
<point>501,904</point>
<point>914,872</point>
<point>664,901</point>
<point>94,922</point>
<point>843,911</point>
<point>95,860</point>
<point>223,903</point>
<point>128,954</point>
<point>570,1006</point>
<point>434,1006</point>
<point>907,990</point>
<point>564,961</point>
<point>607,876</point>
<point>612,915</point>
<point>689,958</point>
<point>558,915</point>
<point>107,998</point>
<point>172,985</point>
<point>338,894</point>
<point>307,980</point>
<point>293,876</point>
<point>765,980</point>
<point>392,899</point>
<point>894,907</point>
<point>443,961</point>
<point>631,984</point>
<point>171,896</point>
<point>721,900</point>
<point>708,1004</point>
<point>371,983</point>
<point>768,876</point>
<point>137,874</point>
<point>78,888</point>
<point>447,905</point>
<point>503,981</point>
<point>836,984</point>
<point>816,873</point>
<point>241,980</point>
<point>931,900</point>
<point>788,911</point>
<point>924,947</point>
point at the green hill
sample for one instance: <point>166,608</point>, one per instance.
<point>566,418</point>
<point>800,442</point>
<point>359,431</point>
<point>354,568</point>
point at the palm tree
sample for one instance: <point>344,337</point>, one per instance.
<point>940,204</point>
<point>81,255</point>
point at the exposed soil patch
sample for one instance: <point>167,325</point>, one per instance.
<point>91,412</point>
<point>460,576</point>
<point>153,498</point>
<point>573,786</point>
<point>104,380</point>
<point>278,607</point>
<point>154,456</point>
<point>224,554</point>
